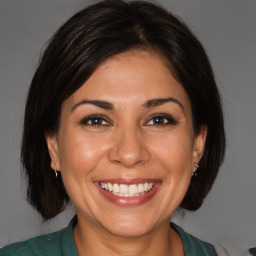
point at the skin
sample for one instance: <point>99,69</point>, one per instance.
<point>127,143</point>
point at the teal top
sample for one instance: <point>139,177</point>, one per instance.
<point>62,243</point>
<point>253,251</point>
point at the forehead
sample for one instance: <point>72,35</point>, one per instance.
<point>132,77</point>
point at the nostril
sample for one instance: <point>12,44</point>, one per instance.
<point>129,153</point>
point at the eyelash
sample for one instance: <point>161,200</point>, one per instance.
<point>101,120</point>
<point>92,118</point>
<point>168,120</point>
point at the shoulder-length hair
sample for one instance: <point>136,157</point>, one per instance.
<point>75,51</point>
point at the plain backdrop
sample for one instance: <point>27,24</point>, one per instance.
<point>227,29</point>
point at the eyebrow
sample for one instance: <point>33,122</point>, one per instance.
<point>109,106</point>
<point>161,101</point>
<point>98,103</point>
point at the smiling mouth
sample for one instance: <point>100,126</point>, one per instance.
<point>124,190</point>
<point>128,192</point>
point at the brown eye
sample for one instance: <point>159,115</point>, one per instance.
<point>95,120</point>
<point>161,119</point>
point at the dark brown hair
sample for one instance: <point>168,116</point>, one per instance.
<point>79,46</point>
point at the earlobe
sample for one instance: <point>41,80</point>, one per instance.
<point>52,145</point>
<point>199,143</point>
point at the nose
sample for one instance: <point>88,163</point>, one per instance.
<point>129,148</point>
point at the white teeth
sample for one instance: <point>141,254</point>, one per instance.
<point>133,189</point>
<point>110,187</point>
<point>140,188</point>
<point>124,190</point>
<point>115,188</point>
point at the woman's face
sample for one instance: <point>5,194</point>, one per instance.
<point>125,147</point>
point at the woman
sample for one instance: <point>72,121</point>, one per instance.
<point>123,118</point>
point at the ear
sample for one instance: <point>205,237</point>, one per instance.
<point>52,144</point>
<point>199,143</point>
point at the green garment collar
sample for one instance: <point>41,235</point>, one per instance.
<point>62,243</point>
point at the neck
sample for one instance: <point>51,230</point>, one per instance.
<point>94,240</point>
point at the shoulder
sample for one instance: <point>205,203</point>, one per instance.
<point>192,245</point>
<point>16,249</point>
<point>49,244</point>
<point>252,251</point>
<point>41,245</point>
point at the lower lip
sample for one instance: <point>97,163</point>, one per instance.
<point>129,201</point>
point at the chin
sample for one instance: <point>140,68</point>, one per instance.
<point>128,231</point>
<point>129,226</point>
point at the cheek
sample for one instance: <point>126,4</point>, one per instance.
<point>174,151</point>
<point>79,153</point>
<point>79,157</point>
<point>173,162</point>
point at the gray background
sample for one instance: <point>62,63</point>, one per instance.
<point>227,29</point>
